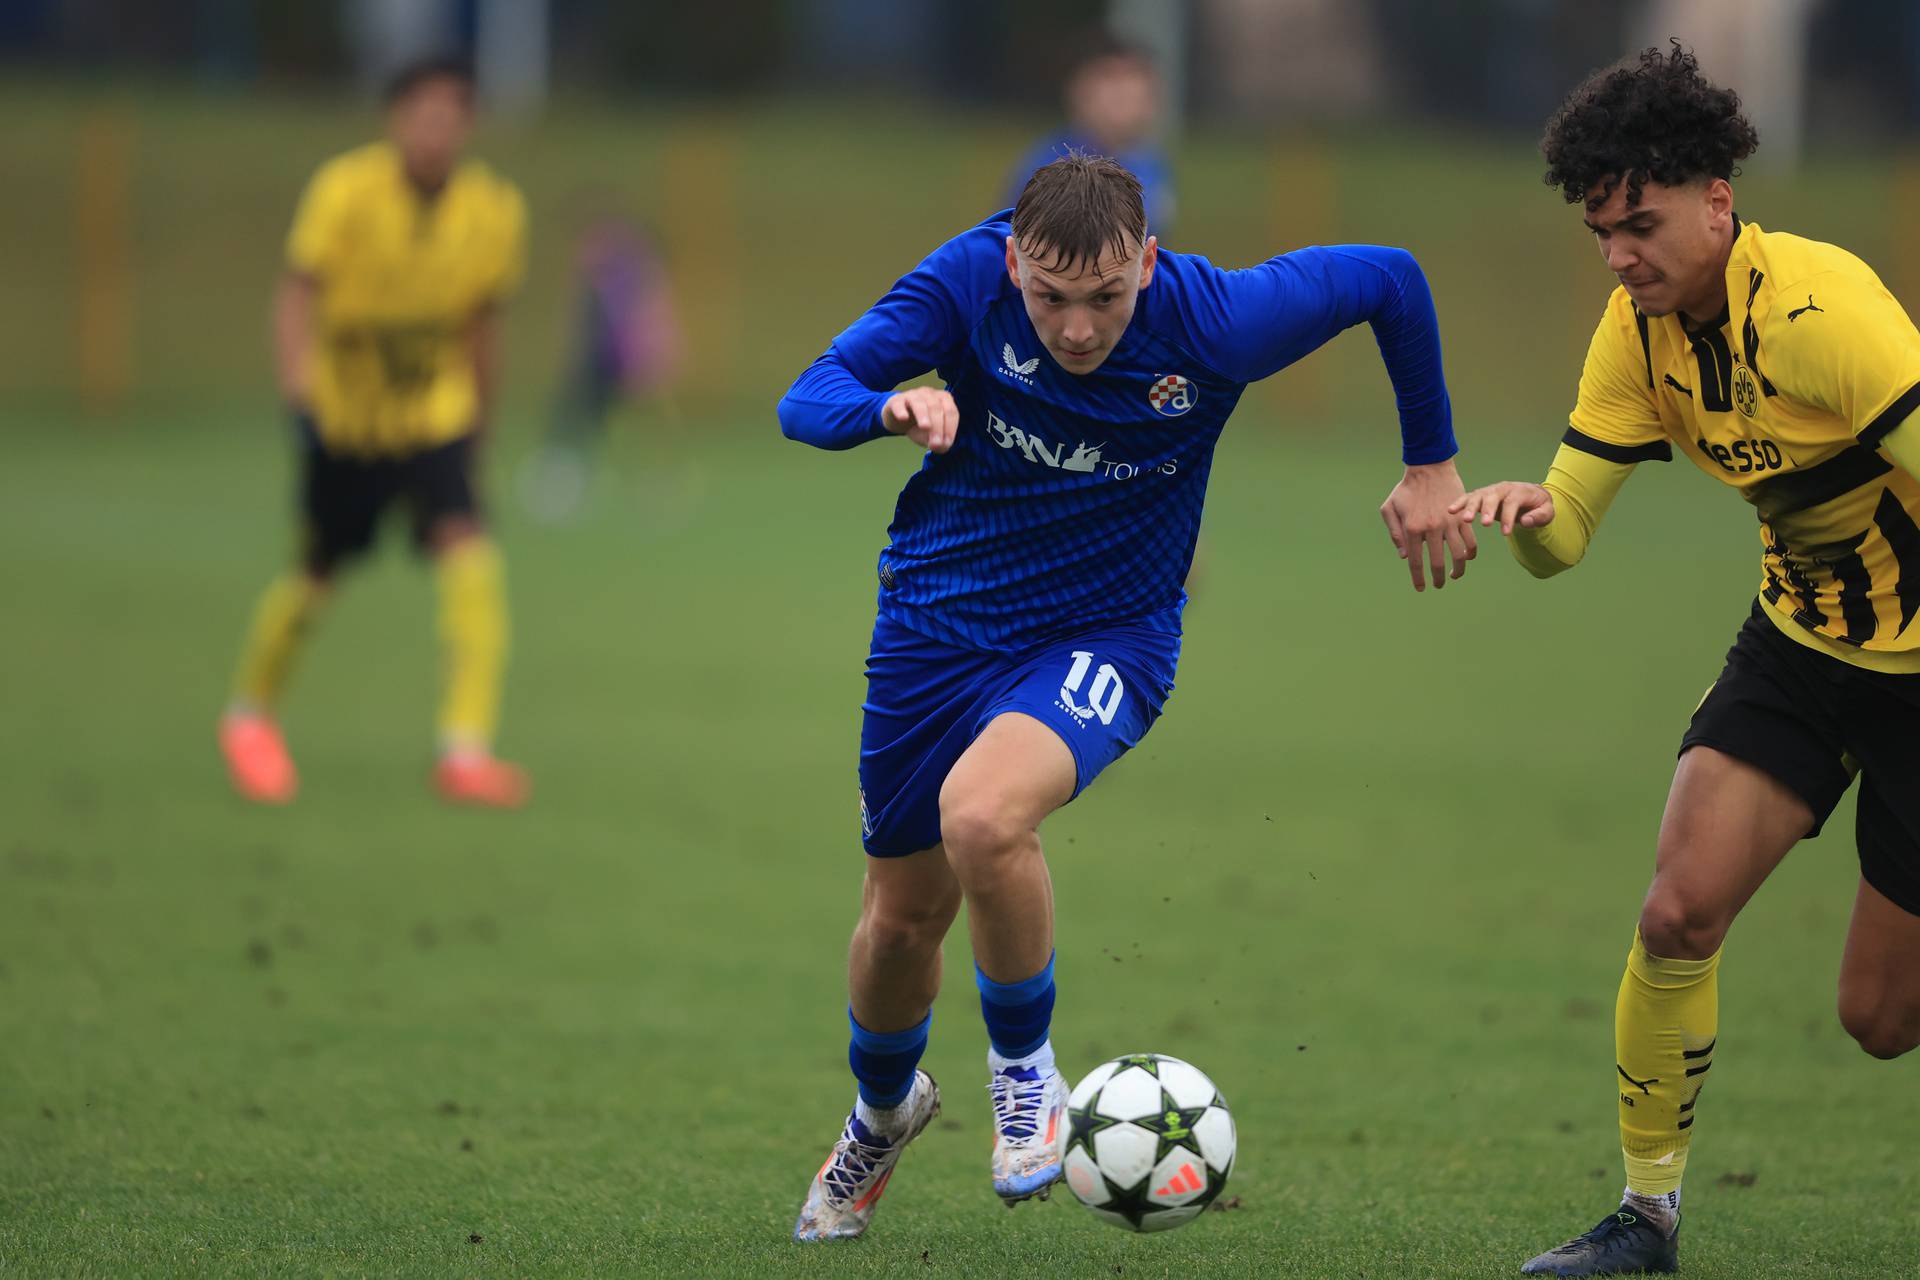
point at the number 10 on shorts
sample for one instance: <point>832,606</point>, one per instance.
<point>1103,699</point>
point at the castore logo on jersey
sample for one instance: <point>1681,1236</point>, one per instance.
<point>1018,368</point>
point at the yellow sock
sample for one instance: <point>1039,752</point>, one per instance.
<point>280,622</point>
<point>1664,1026</point>
<point>473,627</point>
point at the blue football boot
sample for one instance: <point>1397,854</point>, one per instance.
<point>1623,1243</point>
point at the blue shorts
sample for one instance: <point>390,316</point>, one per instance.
<point>927,701</point>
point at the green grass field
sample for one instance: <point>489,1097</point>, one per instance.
<point>1376,870</point>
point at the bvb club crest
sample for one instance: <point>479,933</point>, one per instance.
<point>1746,391</point>
<point>1172,395</point>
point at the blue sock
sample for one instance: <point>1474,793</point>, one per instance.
<point>884,1061</point>
<point>1017,1013</point>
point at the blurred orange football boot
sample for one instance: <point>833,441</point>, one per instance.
<point>257,758</point>
<point>476,778</point>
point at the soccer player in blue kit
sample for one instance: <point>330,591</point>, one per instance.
<point>1030,596</point>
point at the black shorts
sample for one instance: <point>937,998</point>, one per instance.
<point>1812,721</point>
<point>342,497</point>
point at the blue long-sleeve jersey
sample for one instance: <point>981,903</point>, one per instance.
<point>1070,502</point>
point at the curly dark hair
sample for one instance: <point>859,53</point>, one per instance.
<point>1651,118</point>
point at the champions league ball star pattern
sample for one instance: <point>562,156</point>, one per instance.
<point>1151,1142</point>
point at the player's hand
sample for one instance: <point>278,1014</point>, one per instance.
<point>1424,530</point>
<point>1510,502</point>
<point>925,415</point>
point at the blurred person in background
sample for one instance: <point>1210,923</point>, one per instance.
<point>1113,99</point>
<point>1784,368</point>
<point>386,341</point>
<point>626,349</point>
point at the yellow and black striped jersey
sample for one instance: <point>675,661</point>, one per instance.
<point>1787,396</point>
<point>400,279</point>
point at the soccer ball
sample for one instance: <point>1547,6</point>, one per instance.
<point>1152,1142</point>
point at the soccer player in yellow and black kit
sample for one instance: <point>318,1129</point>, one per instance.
<point>1783,368</point>
<point>385,336</point>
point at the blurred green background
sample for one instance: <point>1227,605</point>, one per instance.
<point>782,219</point>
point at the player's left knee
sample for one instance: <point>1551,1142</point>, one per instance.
<point>1884,1030</point>
<point>979,829</point>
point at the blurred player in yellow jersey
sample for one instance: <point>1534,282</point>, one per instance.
<point>385,332</point>
<point>1783,368</point>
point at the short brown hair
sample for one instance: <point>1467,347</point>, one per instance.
<point>1079,207</point>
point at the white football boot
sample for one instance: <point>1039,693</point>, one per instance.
<point>845,1192</point>
<point>1030,1130</point>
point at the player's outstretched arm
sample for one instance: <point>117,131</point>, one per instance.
<point>1511,502</point>
<point>1266,317</point>
<point>1392,295</point>
<point>846,397</point>
<point>1615,425</point>
<point>832,409</point>
<point>1549,526</point>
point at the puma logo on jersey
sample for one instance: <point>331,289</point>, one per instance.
<point>1797,312</point>
<point>1020,369</point>
<point>1641,1085</point>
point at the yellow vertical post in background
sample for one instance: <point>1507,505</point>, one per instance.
<point>1302,204</point>
<point>988,169</point>
<point>700,184</point>
<point>1903,233</point>
<point>103,230</point>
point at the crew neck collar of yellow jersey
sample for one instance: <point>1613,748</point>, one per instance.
<point>424,199</point>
